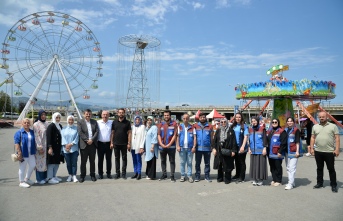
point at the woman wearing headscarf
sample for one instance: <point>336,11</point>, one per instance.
<point>242,133</point>
<point>137,146</point>
<point>39,128</point>
<point>277,144</point>
<point>25,145</point>
<point>151,145</point>
<point>54,145</point>
<point>70,141</point>
<point>258,150</point>
<point>294,146</point>
<point>224,138</point>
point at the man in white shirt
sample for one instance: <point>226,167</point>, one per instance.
<point>104,141</point>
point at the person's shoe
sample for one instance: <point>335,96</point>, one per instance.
<point>69,178</point>
<point>163,177</point>
<point>260,183</point>
<point>172,179</point>
<point>254,183</point>
<point>30,182</point>
<point>308,154</point>
<point>227,181</point>
<point>93,178</point>
<point>182,179</point>
<point>117,176</point>
<point>109,176</point>
<point>148,178</point>
<point>40,182</point>
<point>334,189</point>
<point>235,177</point>
<point>272,183</point>
<point>58,179</point>
<point>53,181</point>
<point>208,179</point>
<point>220,180</point>
<point>289,187</point>
<point>139,177</point>
<point>101,177</point>
<point>190,179</point>
<point>277,184</point>
<point>75,180</point>
<point>82,179</point>
<point>24,185</point>
<point>134,176</point>
<point>317,186</point>
<point>197,179</point>
<point>123,176</point>
<point>239,181</point>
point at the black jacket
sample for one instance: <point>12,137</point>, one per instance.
<point>54,140</point>
<point>230,143</point>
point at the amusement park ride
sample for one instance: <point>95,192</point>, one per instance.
<point>283,92</point>
<point>51,56</point>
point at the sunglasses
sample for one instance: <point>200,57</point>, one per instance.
<point>274,122</point>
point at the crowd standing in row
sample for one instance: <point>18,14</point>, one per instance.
<point>44,147</point>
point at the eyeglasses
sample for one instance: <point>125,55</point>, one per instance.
<point>274,122</point>
<point>223,122</point>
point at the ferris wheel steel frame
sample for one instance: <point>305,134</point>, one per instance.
<point>60,45</point>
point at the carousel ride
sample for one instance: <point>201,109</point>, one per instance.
<point>283,92</point>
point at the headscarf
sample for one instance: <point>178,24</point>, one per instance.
<point>72,117</point>
<point>152,123</point>
<point>54,120</point>
<point>258,123</point>
<point>39,118</point>
<point>140,121</point>
<point>224,130</point>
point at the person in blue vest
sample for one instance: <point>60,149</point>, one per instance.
<point>277,145</point>
<point>294,147</point>
<point>204,134</point>
<point>224,138</point>
<point>166,136</point>
<point>258,150</point>
<point>242,133</point>
<point>185,145</point>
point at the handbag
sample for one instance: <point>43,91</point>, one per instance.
<point>226,152</point>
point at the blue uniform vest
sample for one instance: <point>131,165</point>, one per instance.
<point>256,140</point>
<point>275,142</point>
<point>291,142</point>
<point>203,136</point>
<point>169,133</point>
<point>190,136</point>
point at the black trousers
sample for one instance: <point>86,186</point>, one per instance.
<point>240,165</point>
<point>123,150</point>
<point>88,152</point>
<point>276,169</point>
<point>225,168</point>
<point>151,168</point>
<point>329,159</point>
<point>102,150</point>
<point>171,154</point>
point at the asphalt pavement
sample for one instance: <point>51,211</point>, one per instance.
<point>110,199</point>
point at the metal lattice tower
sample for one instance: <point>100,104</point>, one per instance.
<point>138,86</point>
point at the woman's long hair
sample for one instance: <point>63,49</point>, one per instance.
<point>234,124</point>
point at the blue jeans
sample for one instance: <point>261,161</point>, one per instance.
<point>137,162</point>
<point>207,158</point>
<point>41,175</point>
<point>71,162</point>
<point>52,170</point>
<point>186,156</point>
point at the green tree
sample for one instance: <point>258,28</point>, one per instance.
<point>5,102</point>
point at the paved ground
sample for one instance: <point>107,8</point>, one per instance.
<point>162,200</point>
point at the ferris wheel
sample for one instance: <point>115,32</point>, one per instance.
<point>53,58</point>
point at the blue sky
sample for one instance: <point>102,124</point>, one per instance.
<point>207,47</point>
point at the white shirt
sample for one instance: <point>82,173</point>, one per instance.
<point>185,143</point>
<point>105,130</point>
<point>89,127</point>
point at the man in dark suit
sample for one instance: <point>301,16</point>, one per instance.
<point>88,132</point>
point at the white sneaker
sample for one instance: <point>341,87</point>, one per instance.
<point>69,178</point>
<point>24,185</point>
<point>58,179</point>
<point>259,183</point>
<point>254,182</point>
<point>289,187</point>
<point>75,180</point>
<point>53,181</point>
<point>30,182</point>
<point>40,182</point>
<point>308,154</point>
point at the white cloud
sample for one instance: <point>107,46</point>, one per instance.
<point>106,94</point>
<point>222,3</point>
<point>198,5</point>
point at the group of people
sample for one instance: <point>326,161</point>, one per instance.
<point>44,147</point>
